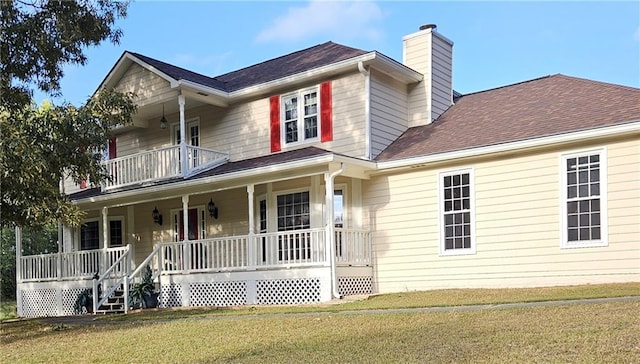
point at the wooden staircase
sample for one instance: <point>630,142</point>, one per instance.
<point>114,304</point>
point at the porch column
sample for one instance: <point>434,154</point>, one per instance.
<point>60,248</point>
<point>18,270</point>
<point>251,244</point>
<point>105,239</point>
<point>185,232</point>
<point>329,227</point>
<point>183,145</point>
<point>18,254</point>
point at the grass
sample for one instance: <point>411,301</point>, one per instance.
<point>435,298</point>
<point>602,332</point>
<point>7,310</point>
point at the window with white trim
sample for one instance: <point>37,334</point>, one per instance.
<point>90,235</point>
<point>300,116</point>
<point>584,205</point>
<point>116,231</point>
<point>293,214</point>
<point>457,212</point>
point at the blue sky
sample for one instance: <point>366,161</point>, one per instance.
<point>495,43</point>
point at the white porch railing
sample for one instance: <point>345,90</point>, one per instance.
<point>289,248</point>
<point>159,164</point>
<point>270,250</point>
<point>353,247</point>
<point>80,264</point>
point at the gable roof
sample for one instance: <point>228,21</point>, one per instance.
<point>545,106</point>
<point>273,69</point>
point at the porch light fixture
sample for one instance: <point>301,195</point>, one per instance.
<point>163,122</point>
<point>213,210</point>
<point>157,218</point>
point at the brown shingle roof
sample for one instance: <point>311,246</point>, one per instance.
<point>541,107</point>
<point>273,69</point>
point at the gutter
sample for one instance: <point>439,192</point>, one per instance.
<point>330,228</point>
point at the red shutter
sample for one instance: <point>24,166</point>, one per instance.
<point>274,102</point>
<point>112,148</point>
<point>326,117</point>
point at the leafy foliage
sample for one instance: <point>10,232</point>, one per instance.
<point>40,36</point>
<point>34,241</point>
<point>140,291</point>
<point>41,146</point>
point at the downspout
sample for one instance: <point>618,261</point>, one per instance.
<point>330,228</point>
<point>367,109</point>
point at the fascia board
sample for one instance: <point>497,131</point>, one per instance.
<point>150,68</point>
<point>583,135</point>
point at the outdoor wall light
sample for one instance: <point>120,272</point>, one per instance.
<point>213,210</point>
<point>157,218</point>
<point>163,122</point>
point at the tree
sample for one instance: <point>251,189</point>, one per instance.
<point>41,146</point>
<point>34,241</point>
<point>39,37</point>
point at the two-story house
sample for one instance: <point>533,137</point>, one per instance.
<point>335,171</point>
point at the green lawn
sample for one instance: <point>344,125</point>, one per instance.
<point>602,332</point>
<point>7,310</point>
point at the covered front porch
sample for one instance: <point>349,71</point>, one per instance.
<point>290,239</point>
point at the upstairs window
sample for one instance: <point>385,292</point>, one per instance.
<point>300,116</point>
<point>304,116</point>
<point>584,185</point>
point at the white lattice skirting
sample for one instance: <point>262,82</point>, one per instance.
<point>282,287</point>
<point>49,299</point>
<point>349,286</point>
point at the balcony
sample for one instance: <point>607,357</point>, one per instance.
<point>160,164</point>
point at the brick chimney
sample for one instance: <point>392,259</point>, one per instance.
<point>429,53</point>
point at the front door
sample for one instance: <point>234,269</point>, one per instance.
<point>192,225</point>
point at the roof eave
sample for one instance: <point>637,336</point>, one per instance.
<point>374,59</point>
<point>631,126</point>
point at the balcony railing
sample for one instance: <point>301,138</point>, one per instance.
<point>159,164</point>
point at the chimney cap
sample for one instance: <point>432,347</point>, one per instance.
<point>428,26</point>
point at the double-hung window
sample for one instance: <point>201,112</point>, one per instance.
<point>300,116</point>
<point>294,214</point>
<point>457,212</point>
<point>90,235</point>
<point>584,202</point>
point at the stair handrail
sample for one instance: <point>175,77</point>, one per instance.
<point>98,301</point>
<point>128,278</point>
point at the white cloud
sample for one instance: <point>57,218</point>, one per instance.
<point>335,19</point>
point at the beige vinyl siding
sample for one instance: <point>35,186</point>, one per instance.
<point>430,54</point>
<point>518,226</point>
<point>148,87</point>
<point>417,55</point>
<point>388,111</point>
<point>441,77</point>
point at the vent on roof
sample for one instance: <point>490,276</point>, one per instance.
<point>428,26</point>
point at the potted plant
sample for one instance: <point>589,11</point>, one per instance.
<point>84,302</point>
<point>143,294</point>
